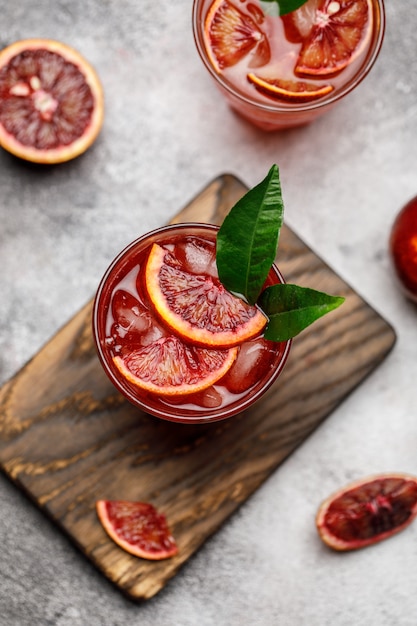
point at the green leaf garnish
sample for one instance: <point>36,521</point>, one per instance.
<point>280,7</point>
<point>247,243</point>
<point>291,309</point>
<point>248,238</point>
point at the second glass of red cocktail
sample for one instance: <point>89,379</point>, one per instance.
<point>279,71</point>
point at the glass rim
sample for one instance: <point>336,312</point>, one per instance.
<point>174,415</point>
<point>365,68</point>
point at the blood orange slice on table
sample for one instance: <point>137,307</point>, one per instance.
<point>169,367</point>
<point>196,306</point>
<point>367,511</point>
<point>138,528</point>
<point>230,34</point>
<point>333,33</point>
<point>51,101</point>
<point>291,90</point>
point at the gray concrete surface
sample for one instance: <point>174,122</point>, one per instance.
<point>166,134</point>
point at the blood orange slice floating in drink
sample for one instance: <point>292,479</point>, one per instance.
<point>138,528</point>
<point>291,90</point>
<point>51,101</point>
<point>231,34</point>
<point>333,33</point>
<point>197,306</point>
<point>169,367</point>
<point>368,511</point>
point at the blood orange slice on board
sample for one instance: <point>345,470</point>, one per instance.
<point>333,33</point>
<point>367,511</point>
<point>169,367</point>
<point>291,90</point>
<point>51,101</point>
<point>231,34</point>
<point>196,306</point>
<point>138,528</point>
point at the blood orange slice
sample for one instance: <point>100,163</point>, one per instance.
<point>138,528</point>
<point>368,511</point>
<point>333,33</point>
<point>292,90</point>
<point>170,367</point>
<point>51,101</point>
<point>231,34</point>
<point>197,306</point>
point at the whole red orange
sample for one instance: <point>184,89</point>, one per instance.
<point>403,248</point>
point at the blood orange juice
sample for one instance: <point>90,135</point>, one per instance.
<point>139,345</point>
<point>283,71</point>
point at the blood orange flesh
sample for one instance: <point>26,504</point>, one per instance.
<point>138,528</point>
<point>231,35</point>
<point>171,368</point>
<point>332,32</point>
<point>368,511</point>
<point>403,248</point>
<point>51,101</point>
<point>197,306</point>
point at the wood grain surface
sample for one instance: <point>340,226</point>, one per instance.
<point>68,438</point>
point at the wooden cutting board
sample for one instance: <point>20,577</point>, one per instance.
<point>68,438</point>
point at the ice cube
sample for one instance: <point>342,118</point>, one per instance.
<point>209,398</point>
<point>129,314</point>
<point>250,366</point>
<point>154,333</point>
<point>197,256</point>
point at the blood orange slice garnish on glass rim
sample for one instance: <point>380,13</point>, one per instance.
<point>138,528</point>
<point>170,367</point>
<point>367,511</point>
<point>332,32</point>
<point>197,307</point>
<point>291,90</point>
<point>51,101</point>
<point>231,34</point>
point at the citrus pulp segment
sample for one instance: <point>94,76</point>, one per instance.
<point>292,90</point>
<point>51,101</point>
<point>138,528</point>
<point>196,306</point>
<point>170,367</point>
<point>333,33</point>
<point>231,34</point>
<point>367,511</point>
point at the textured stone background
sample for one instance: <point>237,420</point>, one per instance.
<point>166,134</point>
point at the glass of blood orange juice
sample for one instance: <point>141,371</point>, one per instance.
<point>284,71</point>
<point>170,337</point>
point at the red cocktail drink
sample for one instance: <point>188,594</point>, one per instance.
<point>284,71</point>
<point>141,350</point>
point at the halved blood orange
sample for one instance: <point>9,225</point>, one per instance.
<point>196,306</point>
<point>230,34</point>
<point>170,367</point>
<point>368,511</point>
<point>292,90</point>
<point>138,528</point>
<point>51,101</point>
<point>333,33</point>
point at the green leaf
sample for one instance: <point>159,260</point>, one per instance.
<point>280,7</point>
<point>291,309</point>
<point>248,238</point>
